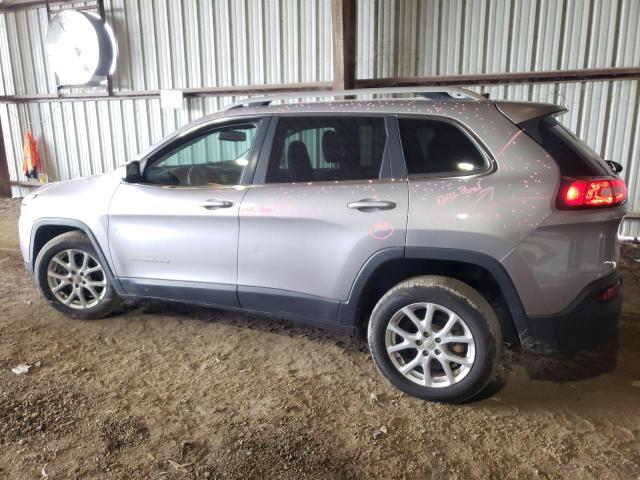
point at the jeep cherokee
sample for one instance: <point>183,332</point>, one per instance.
<point>441,225</point>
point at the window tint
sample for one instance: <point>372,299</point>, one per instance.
<point>215,158</point>
<point>434,147</point>
<point>574,158</point>
<point>319,149</point>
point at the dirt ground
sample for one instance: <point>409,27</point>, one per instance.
<point>164,391</point>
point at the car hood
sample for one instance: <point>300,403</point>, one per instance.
<point>74,199</point>
<point>78,186</point>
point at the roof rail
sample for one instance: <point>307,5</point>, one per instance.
<point>426,92</point>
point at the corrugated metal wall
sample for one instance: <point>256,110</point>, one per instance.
<point>202,43</point>
<point>401,38</point>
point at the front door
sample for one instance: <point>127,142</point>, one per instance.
<point>322,205</point>
<point>175,234</point>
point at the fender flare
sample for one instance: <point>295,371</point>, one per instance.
<point>76,224</point>
<point>348,309</point>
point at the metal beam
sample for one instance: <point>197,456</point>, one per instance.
<point>551,76</point>
<point>234,91</point>
<point>5,181</point>
<point>13,5</point>
<point>19,183</point>
<point>343,19</point>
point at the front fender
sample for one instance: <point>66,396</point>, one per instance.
<point>71,224</point>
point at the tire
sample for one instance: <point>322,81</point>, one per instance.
<point>474,337</point>
<point>92,275</point>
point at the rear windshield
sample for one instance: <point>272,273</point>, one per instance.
<point>573,156</point>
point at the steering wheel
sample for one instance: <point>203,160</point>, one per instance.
<point>200,175</point>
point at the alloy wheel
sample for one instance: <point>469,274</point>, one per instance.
<point>76,279</point>
<point>430,345</point>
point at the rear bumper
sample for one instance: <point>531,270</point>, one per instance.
<point>584,324</point>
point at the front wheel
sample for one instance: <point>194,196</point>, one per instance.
<point>435,338</point>
<point>71,277</point>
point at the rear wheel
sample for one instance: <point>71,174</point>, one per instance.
<point>72,278</point>
<point>435,338</point>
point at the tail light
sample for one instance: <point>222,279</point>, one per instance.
<point>610,293</point>
<point>591,193</point>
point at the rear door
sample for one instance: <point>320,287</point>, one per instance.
<point>323,203</point>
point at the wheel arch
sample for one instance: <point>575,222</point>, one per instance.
<point>47,229</point>
<point>388,267</point>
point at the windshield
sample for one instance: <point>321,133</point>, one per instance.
<point>145,153</point>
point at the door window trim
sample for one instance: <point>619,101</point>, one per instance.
<point>174,143</point>
<point>490,161</point>
<point>387,166</point>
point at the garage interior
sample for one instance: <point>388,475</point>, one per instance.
<point>171,391</point>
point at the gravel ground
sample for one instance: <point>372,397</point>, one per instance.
<point>165,391</point>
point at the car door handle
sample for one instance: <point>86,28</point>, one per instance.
<point>368,205</point>
<point>215,203</point>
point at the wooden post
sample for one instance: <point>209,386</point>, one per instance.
<point>5,181</point>
<point>343,18</point>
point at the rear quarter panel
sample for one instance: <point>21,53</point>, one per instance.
<point>510,215</point>
<point>567,252</point>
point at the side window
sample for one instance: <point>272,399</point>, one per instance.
<point>217,157</point>
<point>435,147</point>
<point>321,149</point>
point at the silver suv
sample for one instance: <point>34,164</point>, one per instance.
<point>441,226</point>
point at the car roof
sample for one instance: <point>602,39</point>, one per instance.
<point>463,108</point>
<point>340,107</point>
<point>517,112</point>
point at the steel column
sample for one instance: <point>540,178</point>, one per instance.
<point>343,18</point>
<point>5,182</point>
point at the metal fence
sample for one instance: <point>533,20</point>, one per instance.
<point>206,43</point>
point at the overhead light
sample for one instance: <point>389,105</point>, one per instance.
<point>81,47</point>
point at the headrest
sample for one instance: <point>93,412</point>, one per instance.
<point>299,162</point>
<point>332,148</point>
<point>298,150</point>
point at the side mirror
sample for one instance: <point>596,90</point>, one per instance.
<point>615,166</point>
<point>133,172</point>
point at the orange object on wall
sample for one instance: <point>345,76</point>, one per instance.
<point>30,156</point>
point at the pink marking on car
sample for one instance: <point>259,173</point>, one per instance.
<point>510,142</point>
<point>381,230</point>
